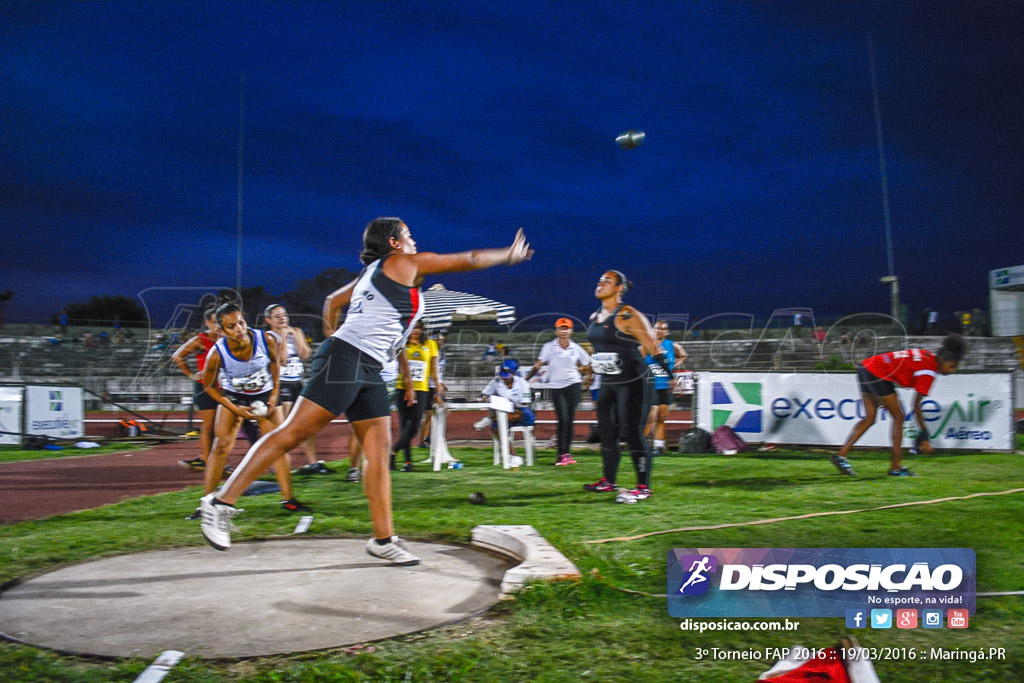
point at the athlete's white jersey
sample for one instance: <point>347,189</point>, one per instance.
<point>246,376</point>
<point>292,369</point>
<point>380,315</point>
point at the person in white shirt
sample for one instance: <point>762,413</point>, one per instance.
<point>565,360</point>
<point>516,389</point>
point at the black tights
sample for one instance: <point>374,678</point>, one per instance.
<point>565,400</point>
<point>409,418</point>
<point>621,415</point>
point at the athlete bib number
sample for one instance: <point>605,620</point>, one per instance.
<point>658,371</point>
<point>292,370</point>
<point>251,383</point>
<point>418,370</point>
<point>606,363</point>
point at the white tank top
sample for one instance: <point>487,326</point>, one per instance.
<point>292,369</point>
<point>246,376</point>
<point>380,315</point>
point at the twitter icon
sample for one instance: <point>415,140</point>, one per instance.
<point>881,618</point>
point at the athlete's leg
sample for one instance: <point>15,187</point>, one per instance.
<point>608,428</point>
<point>282,466</point>
<point>305,420</point>
<point>632,406</point>
<point>892,404</point>
<point>375,436</point>
<point>206,433</point>
<point>871,403</point>
<point>225,430</point>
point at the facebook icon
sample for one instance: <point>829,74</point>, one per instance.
<point>856,618</point>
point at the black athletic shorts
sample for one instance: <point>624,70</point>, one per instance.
<point>246,399</point>
<point>343,379</point>
<point>290,392</point>
<point>662,397</point>
<point>202,400</point>
<point>873,384</point>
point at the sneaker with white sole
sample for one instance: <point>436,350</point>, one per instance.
<point>216,525</point>
<point>354,475</point>
<point>631,496</point>
<point>564,460</point>
<point>393,550</point>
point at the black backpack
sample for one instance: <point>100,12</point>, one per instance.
<point>695,440</point>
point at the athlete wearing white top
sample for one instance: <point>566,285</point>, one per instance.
<point>246,363</point>
<point>381,314</point>
<point>246,377</point>
<point>383,304</point>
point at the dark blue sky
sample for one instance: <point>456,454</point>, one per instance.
<point>758,186</point>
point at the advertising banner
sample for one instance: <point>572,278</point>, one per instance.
<point>10,415</point>
<point>56,412</point>
<point>969,411</point>
<point>820,582</point>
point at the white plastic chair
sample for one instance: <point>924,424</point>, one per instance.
<point>502,452</point>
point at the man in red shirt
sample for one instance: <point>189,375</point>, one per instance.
<point>878,376</point>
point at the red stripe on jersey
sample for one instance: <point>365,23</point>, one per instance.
<point>414,299</point>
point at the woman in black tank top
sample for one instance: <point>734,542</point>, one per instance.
<point>616,330</point>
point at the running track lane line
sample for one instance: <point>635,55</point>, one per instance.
<point>807,516</point>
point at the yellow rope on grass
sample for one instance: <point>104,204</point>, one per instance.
<point>809,515</point>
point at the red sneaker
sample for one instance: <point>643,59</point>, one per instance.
<point>602,485</point>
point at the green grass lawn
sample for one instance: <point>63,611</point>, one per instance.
<point>593,629</point>
<point>17,454</point>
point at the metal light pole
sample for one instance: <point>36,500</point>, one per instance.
<point>891,278</point>
<point>241,158</point>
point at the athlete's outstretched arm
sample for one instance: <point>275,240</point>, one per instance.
<point>412,268</point>
<point>335,301</point>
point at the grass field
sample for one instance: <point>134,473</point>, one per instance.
<point>16,454</point>
<point>593,629</point>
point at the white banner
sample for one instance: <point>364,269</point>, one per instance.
<point>54,411</point>
<point>963,411</point>
<point>10,415</point>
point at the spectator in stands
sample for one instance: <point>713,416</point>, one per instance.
<point>911,369</point>
<point>568,369</point>
<point>820,334</point>
<point>491,350</point>
<point>88,340</point>
<point>933,321</point>
<point>798,325</point>
<point>63,321</point>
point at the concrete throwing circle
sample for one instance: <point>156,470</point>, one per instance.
<point>256,599</point>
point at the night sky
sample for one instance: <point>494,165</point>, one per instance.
<point>758,186</point>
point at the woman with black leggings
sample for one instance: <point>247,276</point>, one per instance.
<point>421,369</point>
<point>564,358</point>
<point>622,401</point>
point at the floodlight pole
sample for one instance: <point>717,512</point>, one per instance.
<point>890,279</point>
<point>241,158</point>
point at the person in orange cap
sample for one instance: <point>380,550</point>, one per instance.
<point>568,369</point>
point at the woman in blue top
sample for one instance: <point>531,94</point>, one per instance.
<point>662,394</point>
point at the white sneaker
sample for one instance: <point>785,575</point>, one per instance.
<point>393,551</point>
<point>354,475</point>
<point>216,524</point>
<point>633,496</point>
<point>482,424</point>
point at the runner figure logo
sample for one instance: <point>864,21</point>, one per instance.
<point>696,581</point>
